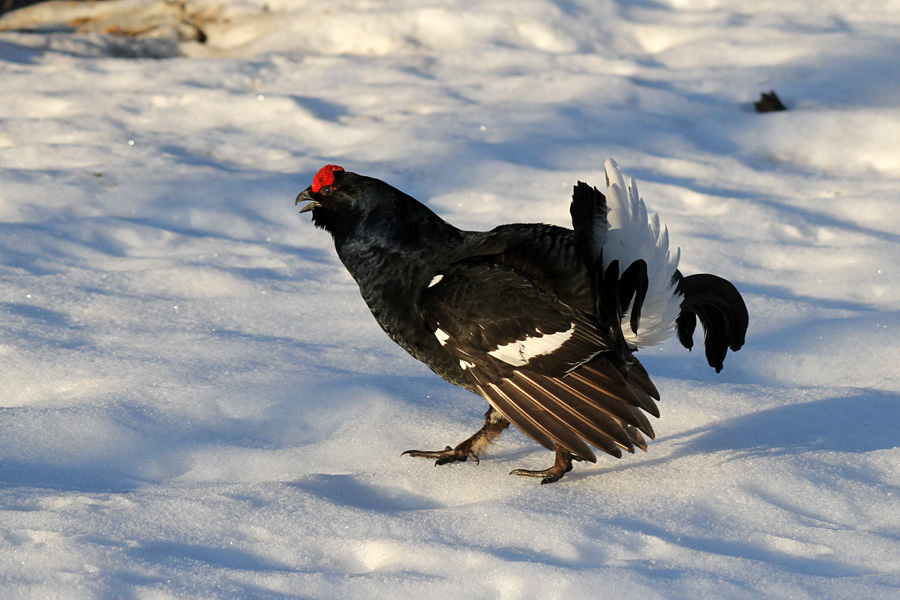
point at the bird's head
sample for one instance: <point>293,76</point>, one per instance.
<point>355,208</point>
<point>334,198</point>
<point>323,186</point>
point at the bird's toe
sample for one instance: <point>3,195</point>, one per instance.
<point>561,466</point>
<point>445,456</point>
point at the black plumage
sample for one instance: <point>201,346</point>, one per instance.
<point>524,315</point>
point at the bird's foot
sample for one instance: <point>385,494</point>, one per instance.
<point>461,453</point>
<point>561,466</point>
<point>494,424</point>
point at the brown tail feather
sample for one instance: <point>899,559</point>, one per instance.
<point>601,372</point>
<point>636,436</point>
<point>592,425</point>
<point>620,407</point>
<point>534,420</point>
<point>637,374</point>
<point>542,410</point>
<point>516,416</point>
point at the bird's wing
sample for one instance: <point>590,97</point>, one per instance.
<point>547,254</point>
<point>537,360</point>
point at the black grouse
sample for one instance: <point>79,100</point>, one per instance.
<point>542,321</point>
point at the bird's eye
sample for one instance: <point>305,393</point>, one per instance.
<point>325,191</point>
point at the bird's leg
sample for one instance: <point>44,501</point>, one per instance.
<point>561,466</point>
<point>494,424</point>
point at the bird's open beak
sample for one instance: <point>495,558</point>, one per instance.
<point>305,196</point>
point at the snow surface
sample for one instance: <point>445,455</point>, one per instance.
<point>196,402</point>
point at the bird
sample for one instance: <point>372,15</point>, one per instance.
<point>541,321</point>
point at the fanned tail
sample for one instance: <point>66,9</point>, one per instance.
<point>633,238</point>
<point>721,310</point>
<point>641,297</point>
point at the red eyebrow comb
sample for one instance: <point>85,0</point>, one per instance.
<point>325,177</point>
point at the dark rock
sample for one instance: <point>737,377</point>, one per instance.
<point>769,103</point>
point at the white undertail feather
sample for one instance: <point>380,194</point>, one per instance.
<point>633,236</point>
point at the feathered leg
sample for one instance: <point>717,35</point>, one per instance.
<point>494,425</point>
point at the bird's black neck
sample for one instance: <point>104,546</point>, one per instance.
<point>408,230</point>
<point>393,262</point>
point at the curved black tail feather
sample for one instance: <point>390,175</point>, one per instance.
<point>721,310</point>
<point>588,210</point>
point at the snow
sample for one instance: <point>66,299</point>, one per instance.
<point>196,402</point>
